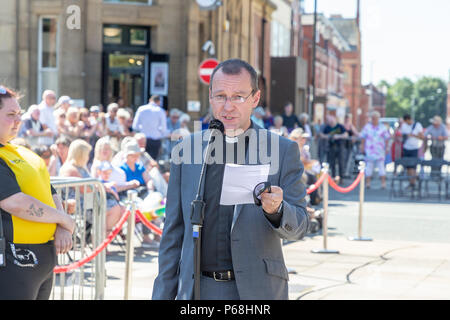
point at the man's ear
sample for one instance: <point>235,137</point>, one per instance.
<point>255,98</point>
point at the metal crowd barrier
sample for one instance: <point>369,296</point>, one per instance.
<point>88,281</point>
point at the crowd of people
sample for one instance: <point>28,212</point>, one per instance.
<point>116,146</point>
<point>341,145</point>
<point>122,148</point>
<point>119,137</point>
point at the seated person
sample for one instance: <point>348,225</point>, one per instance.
<point>134,170</point>
<point>160,181</point>
<point>104,171</point>
<point>103,152</point>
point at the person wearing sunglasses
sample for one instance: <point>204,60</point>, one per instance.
<point>33,225</point>
<point>241,253</point>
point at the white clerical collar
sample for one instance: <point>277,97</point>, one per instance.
<point>235,139</point>
<point>231,139</point>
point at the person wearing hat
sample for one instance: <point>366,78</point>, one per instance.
<point>258,116</point>
<point>312,167</point>
<point>104,171</point>
<point>438,134</point>
<point>134,170</point>
<point>64,102</point>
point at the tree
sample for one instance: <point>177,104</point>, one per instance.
<point>399,96</point>
<point>430,96</point>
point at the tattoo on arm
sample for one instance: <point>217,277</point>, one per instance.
<point>38,212</point>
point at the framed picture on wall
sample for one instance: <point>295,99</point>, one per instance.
<point>159,82</point>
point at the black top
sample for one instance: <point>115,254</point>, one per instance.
<point>331,131</point>
<point>290,121</point>
<point>216,245</point>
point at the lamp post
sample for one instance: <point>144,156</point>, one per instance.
<point>314,62</point>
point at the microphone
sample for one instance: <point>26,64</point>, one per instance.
<point>198,207</point>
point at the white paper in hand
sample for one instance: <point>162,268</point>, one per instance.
<point>239,181</point>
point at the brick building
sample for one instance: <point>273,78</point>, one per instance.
<point>349,28</point>
<point>329,72</point>
<point>288,68</point>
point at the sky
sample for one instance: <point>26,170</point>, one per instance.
<point>400,38</point>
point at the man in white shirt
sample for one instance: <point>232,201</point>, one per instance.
<point>412,140</point>
<point>151,120</point>
<point>46,108</point>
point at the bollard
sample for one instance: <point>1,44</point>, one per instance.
<point>129,257</point>
<point>362,167</point>
<point>325,170</point>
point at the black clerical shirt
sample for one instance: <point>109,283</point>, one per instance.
<point>216,244</point>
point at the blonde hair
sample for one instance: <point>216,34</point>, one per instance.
<point>296,133</point>
<point>71,110</point>
<point>79,152</point>
<point>122,113</point>
<point>100,144</point>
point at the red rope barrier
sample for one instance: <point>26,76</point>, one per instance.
<point>315,186</point>
<point>148,224</point>
<point>109,238</point>
<point>347,189</point>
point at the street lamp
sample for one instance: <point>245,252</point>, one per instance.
<point>314,62</point>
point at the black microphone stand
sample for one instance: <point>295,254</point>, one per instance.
<point>198,209</point>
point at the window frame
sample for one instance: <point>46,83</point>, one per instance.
<point>40,68</point>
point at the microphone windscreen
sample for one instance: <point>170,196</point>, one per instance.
<point>217,124</point>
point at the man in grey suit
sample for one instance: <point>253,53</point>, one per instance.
<point>241,254</point>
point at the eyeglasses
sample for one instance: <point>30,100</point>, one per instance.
<point>238,99</point>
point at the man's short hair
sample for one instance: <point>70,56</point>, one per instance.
<point>155,98</point>
<point>234,67</point>
<point>407,117</point>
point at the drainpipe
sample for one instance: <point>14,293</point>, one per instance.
<point>17,61</point>
<point>263,48</point>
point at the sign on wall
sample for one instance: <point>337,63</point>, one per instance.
<point>159,82</point>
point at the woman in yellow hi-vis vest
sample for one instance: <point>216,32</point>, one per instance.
<point>34,226</point>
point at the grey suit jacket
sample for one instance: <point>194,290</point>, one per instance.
<point>256,245</point>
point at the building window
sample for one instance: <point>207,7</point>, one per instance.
<point>138,37</point>
<point>129,36</point>
<point>112,35</point>
<point>280,40</point>
<point>149,2</point>
<point>47,55</point>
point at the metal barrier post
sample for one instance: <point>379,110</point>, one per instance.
<point>93,201</point>
<point>132,194</point>
<point>362,167</point>
<point>325,170</point>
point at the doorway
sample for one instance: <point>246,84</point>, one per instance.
<point>126,78</point>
